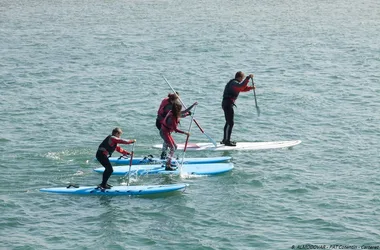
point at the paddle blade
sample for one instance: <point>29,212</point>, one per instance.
<point>254,93</point>
<point>257,106</point>
<point>258,110</point>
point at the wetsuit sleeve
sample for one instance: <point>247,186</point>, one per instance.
<point>242,87</point>
<point>122,151</point>
<point>184,113</point>
<point>246,89</point>
<point>187,112</point>
<point>116,140</point>
<point>179,131</point>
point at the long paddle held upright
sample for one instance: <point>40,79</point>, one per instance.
<point>203,132</point>
<point>130,162</point>
<point>187,138</point>
<point>254,93</point>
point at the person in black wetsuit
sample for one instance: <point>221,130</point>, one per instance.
<point>230,94</point>
<point>105,150</point>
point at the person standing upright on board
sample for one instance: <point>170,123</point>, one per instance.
<point>105,150</point>
<point>165,106</point>
<point>230,94</point>
<point>170,124</point>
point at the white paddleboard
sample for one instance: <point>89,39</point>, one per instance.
<point>239,146</point>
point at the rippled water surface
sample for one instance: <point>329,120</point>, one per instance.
<point>71,71</point>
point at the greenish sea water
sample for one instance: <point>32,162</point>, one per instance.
<point>71,71</point>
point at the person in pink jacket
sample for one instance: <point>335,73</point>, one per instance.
<point>169,125</point>
<point>165,106</point>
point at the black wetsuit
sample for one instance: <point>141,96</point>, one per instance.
<point>230,94</point>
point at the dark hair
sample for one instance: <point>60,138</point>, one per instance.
<point>239,74</point>
<point>173,97</point>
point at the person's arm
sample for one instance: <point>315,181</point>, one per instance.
<point>122,151</point>
<point>248,88</point>
<point>121,141</point>
<point>189,108</point>
<point>187,112</point>
<point>115,140</point>
<point>242,87</point>
<point>179,131</point>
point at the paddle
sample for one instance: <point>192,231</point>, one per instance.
<point>254,92</point>
<point>130,162</point>
<point>187,138</point>
<point>203,132</point>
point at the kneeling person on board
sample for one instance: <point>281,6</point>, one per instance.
<point>230,94</point>
<point>170,124</point>
<point>165,106</point>
<point>105,150</point>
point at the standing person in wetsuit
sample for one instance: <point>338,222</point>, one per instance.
<point>165,106</point>
<point>105,150</point>
<point>170,124</point>
<point>230,94</point>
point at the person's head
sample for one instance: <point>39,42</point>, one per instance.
<point>176,109</point>
<point>173,96</point>
<point>239,76</point>
<point>117,132</point>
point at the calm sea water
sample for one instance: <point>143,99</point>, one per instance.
<point>71,71</point>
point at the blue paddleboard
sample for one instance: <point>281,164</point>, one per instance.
<point>117,190</point>
<point>191,169</point>
<point>153,160</point>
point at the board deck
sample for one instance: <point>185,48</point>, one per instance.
<point>239,146</point>
<point>191,169</point>
<point>117,190</point>
<point>154,160</point>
